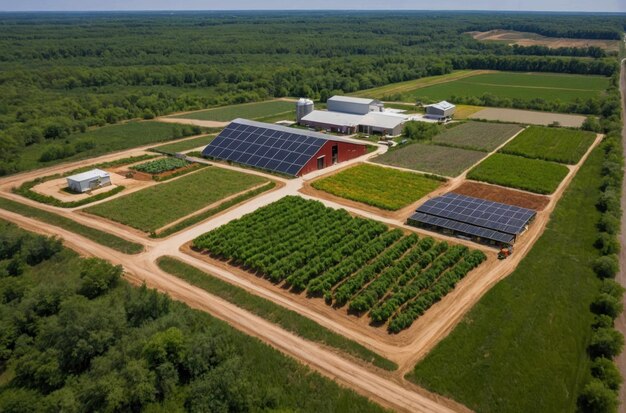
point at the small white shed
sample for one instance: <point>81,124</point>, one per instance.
<point>440,110</point>
<point>87,181</point>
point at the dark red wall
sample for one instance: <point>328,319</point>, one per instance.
<point>346,152</point>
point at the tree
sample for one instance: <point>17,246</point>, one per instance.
<point>597,398</point>
<point>606,266</point>
<point>606,342</point>
<point>98,276</point>
<point>608,305</point>
<point>164,346</point>
<point>605,370</point>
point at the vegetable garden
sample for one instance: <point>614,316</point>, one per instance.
<point>353,262</point>
<point>479,136</point>
<point>161,165</point>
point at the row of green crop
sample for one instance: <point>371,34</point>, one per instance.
<point>347,260</point>
<point>601,393</point>
<point>160,165</point>
<point>26,189</point>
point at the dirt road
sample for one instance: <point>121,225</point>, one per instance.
<point>620,323</point>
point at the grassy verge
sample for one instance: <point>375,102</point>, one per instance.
<point>101,237</point>
<point>210,212</point>
<point>246,110</point>
<point>183,146</point>
<point>495,359</point>
<point>287,319</point>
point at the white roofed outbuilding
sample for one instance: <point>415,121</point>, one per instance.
<point>357,106</point>
<point>87,181</point>
<point>440,110</point>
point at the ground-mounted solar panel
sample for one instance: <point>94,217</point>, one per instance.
<point>266,146</point>
<point>464,228</point>
<point>478,212</point>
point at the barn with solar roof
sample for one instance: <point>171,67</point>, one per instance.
<point>280,149</point>
<point>477,219</point>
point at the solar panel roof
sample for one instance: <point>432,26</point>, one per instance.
<point>462,227</point>
<point>266,146</point>
<point>496,216</point>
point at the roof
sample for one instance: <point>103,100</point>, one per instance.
<point>443,105</point>
<point>350,99</point>
<point>475,216</point>
<point>267,146</point>
<point>84,176</point>
<point>333,118</point>
<point>383,119</point>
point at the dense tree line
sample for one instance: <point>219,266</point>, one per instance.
<point>62,73</point>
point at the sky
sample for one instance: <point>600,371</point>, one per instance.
<point>518,5</point>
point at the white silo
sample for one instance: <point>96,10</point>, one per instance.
<point>303,107</point>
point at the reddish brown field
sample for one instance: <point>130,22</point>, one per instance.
<point>504,195</point>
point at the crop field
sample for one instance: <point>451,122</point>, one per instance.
<point>512,85</point>
<point>104,140</point>
<point>480,136</point>
<point>440,160</point>
<point>160,165</point>
<point>157,206</point>
<point>378,186</point>
<point>511,37</point>
<point>246,110</point>
<point>534,175</point>
<point>185,145</point>
<point>551,144</point>
<point>353,262</point>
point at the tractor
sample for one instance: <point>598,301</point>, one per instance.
<point>505,252</point>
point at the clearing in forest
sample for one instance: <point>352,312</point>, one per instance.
<point>157,206</point>
<point>256,110</point>
<point>551,144</point>
<point>480,136</point>
<point>381,187</point>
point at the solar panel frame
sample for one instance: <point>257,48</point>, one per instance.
<point>462,227</point>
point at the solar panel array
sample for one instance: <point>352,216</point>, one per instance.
<point>264,146</point>
<point>474,216</point>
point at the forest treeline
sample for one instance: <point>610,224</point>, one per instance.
<point>80,70</point>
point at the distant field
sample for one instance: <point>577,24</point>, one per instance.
<point>513,85</point>
<point>185,145</point>
<point>106,139</point>
<point>551,144</point>
<point>512,37</point>
<point>378,186</point>
<point>529,117</point>
<point>246,110</point>
<point>477,135</point>
<point>435,159</point>
<point>157,206</point>
<point>532,175</point>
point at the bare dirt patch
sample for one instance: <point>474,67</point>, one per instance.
<point>503,195</point>
<point>529,117</point>
<point>512,37</point>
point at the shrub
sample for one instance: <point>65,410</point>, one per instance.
<point>597,398</point>
<point>606,342</point>
<point>606,267</point>
<point>98,276</point>
<point>612,288</point>
<point>605,370</point>
<point>609,223</point>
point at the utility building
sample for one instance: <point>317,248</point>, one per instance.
<point>442,110</point>
<point>357,106</point>
<point>87,181</point>
<point>280,149</point>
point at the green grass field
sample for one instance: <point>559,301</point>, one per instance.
<point>531,357</point>
<point>378,186</point>
<point>184,146</point>
<point>532,175</point>
<point>513,85</point>
<point>157,206</point>
<point>434,159</point>
<point>247,110</point>
<point>106,139</point>
<point>287,319</point>
<point>101,237</point>
<point>551,144</point>
<point>481,136</point>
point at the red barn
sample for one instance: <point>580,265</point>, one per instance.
<point>276,148</point>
